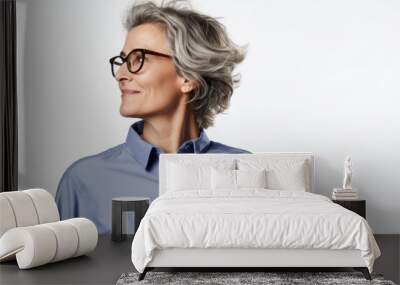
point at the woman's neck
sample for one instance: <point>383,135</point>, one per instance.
<point>169,132</point>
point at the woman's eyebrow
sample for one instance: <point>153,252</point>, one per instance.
<point>122,53</point>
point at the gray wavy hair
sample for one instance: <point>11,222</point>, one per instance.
<point>202,52</point>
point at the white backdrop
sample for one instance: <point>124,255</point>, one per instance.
<point>320,76</point>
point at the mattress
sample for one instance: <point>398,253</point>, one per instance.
<point>251,219</point>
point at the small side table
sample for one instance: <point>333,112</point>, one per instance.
<point>139,205</point>
<point>357,206</point>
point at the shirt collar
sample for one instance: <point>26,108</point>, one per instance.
<point>146,154</point>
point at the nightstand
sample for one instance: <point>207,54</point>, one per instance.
<point>357,206</point>
<point>121,205</point>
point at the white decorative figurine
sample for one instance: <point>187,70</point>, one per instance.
<point>347,173</point>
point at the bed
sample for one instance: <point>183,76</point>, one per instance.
<point>244,211</point>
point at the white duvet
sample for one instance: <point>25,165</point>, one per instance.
<point>251,218</point>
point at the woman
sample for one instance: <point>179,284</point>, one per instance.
<point>175,73</point>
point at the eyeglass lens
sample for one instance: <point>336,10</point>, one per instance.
<point>134,62</point>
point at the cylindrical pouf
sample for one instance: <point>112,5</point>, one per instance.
<point>33,246</point>
<point>23,208</point>
<point>26,208</point>
<point>45,205</point>
<point>45,243</point>
<point>67,239</point>
<point>87,234</point>
<point>7,218</point>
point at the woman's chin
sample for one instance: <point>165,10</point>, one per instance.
<point>126,112</point>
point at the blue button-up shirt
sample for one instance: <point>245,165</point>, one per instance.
<point>88,185</point>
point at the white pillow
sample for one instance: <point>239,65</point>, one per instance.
<point>251,178</point>
<point>182,177</point>
<point>226,179</point>
<point>282,174</point>
<point>186,175</point>
<point>223,179</point>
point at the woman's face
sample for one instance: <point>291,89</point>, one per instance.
<point>159,85</point>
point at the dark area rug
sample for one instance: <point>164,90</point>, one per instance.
<point>229,278</point>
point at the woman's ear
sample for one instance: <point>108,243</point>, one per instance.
<point>188,86</point>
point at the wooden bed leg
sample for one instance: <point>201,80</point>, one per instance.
<point>364,271</point>
<point>143,274</point>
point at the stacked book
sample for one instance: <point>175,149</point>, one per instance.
<point>344,194</point>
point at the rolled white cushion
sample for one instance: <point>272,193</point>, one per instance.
<point>67,239</point>
<point>33,246</point>
<point>26,208</point>
<point>45,205</point>
<point>7,219</point>
<point>40,244</point>
<point>87,234</point>
<point>23,208</point>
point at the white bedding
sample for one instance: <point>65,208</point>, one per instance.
<point>251,218</point>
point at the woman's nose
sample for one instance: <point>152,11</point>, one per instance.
<point>122,72</point>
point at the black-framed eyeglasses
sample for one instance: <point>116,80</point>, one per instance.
<point>135,60</point>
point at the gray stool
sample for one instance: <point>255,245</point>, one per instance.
<point>139,205</point>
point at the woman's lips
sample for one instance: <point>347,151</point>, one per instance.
<point>127,93</point>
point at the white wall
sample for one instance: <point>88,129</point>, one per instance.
<point>320,76</point>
